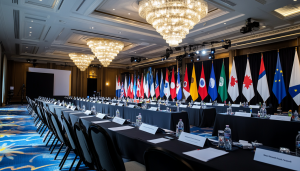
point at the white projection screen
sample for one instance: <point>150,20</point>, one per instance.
<point>62,80</point>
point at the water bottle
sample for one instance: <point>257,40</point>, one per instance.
<point>83,108</point>
<point>264,105</point>
<point>265,112</point>
<point>298,144</point>
<point>227,138</point>
<point>177,107</point>
<point>204,107</point>
<point>296,117</point>
<point>224,102</point>
<point>140,119</point>
<point>117,113</point>
<point>251,110</point>
<point>229,103</point>
<point>158,107</point>
<point>209,100</point>
<point>180,128</point>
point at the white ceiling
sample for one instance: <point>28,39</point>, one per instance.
<point>47,30</point>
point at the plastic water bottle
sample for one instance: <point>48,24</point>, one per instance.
<point>227,138</point>
<point>229,103</point>
<point>117,113</point>
<point>177,107</point>
<point>209,100</point>
<point>83,108</point>
<point>158,107</point>
<point>251,110</point>
<point>296,117</point>
<point>264,105</point>
<point>180,128</point>
<point>139,119</point>
<point>298,144</point>
<point>204,106</point>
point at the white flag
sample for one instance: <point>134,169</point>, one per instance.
<point>233,88</point>
<point>125,86</point>
<point>262,84</point>
<point>248,90</point>
<point>294,88</point>
<point>167,85</point>
<point>147,89</point>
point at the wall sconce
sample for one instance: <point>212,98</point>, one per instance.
<point>107,83</point>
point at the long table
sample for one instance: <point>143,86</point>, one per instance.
<point>271,133</point>
<point>133,143</point>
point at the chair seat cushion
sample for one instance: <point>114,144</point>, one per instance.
<point>134,166</point>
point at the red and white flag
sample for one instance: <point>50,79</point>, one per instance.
<point>233,88</point>
<point>142,87</point>
<point>202,90</point>
<point>186,87</point>
<point>248,90</point>
<point>173,87</point>
<point>138,89</point>
<point>131,88</point>
<point>167,86</point>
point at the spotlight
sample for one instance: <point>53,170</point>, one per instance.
<point>211,56</point>
<point>28,60</point>
<point>192,59</point>
<point>197,52</point>
<point>198,58</point>
<point>133,59</point>
<point>213,51</point>
<point>203,52</point>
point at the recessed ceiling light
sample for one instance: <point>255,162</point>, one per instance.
<point>30,27</point>
<point>92,27</point>
<point>224,23</point>
<point>113,9</point>
<point>128,13</point>
<point>31,20</point>
<point>26,47</point>
<point>120,32</point>
<point>134,52</point>
<point>30,32</point>
<point>295,0</point>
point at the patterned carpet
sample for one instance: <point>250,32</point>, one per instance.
<point>22,148</point>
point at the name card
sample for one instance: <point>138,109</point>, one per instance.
<point>55,103</point>
<point>100,115</point>
<point>220,104</point>
<point>121,104</point>
<point>68,106</point>
<point>183,106</point>
<point>83,100</point>
<point>254,106</point>
<point>60,104</point>
<point>197,103</point>
<point>80,99</point>
<point>94,101</point>
<point>73,108</point>
<point>153,108</point>
<point>153,103</point>
<point>131,106</point>
<point>119,120</point>
<point>148,128</point>
<point>196,107</point>
<point>280,118</point>
<point>99,102</point>
<point>87,112</point>
<point>107,103</point>
<point>192,139</point>
<point>113,104</point>
<point>235,105</point>
<point>210,104</point>
<point>243,114</point>
<point>277,159</point>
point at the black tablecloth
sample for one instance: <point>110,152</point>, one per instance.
<point>132,144</point>
<point>223,109</point>
<point>269,132</point>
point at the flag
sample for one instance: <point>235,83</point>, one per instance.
<point>278,84</point>
<point>162,85</point>
<point>294,88</point>
<point>128,91</point>
<point>212,89</point>
<point>142,88</point>
<point>173,87</point>
<point>186,87</point>
<point>262,84</point>
<point>157,86</point>
<point>202,90</point>
<point>193,91</point>
<point>138,89</point>
<point>233,89</point>
<point>167,86</point>
<point>248,90</point>
<point>146,87</point>
<point>125,87</point>
<point>178,86</point>
<point>134,86</point>
<point>152,90</point>
<point>122,91</point>
<point>131,88</point>
<point>117,88</point>
<point>222,89</point>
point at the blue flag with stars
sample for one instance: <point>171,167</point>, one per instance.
<point>278,84</point>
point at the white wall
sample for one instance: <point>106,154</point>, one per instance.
<point>61,80</point>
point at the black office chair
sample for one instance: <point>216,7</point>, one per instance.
<point>83,148</point>
<point>159,159</point>
<point>106,153</point>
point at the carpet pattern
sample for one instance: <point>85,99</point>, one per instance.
<point>22,148</point>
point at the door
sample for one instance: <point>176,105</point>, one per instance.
<point>91,86</point>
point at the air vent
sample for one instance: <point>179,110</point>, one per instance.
<point>61,4</point>
<point>47,33</point>
<point>15,1</point>
<point>16,15</point>
<point>261,1</point>
<point>36,19</point>
<point>17,46</point>
<point>115,37</point>
<point>227,2</point>
<point>80,5</point>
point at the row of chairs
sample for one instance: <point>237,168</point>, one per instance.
<point>94,146</point>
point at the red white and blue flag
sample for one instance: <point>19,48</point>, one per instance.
<point>157,87</point>
<point>262,84</point>
<point>122,91</point>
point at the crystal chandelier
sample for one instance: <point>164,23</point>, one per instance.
<point>105,49</point>
<point>82,61</point>
<point>173,18</point>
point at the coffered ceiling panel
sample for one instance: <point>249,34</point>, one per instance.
<point>33,31</point>
<point>42,3</point>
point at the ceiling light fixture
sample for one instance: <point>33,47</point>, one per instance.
<point>82,61</point>
<point>105,49</point>
<point>113,9</point>
<point>173,19</point>
<point>30,27</point>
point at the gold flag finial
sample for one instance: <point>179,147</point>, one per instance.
<point>296,48</point>
<point>278,50</point>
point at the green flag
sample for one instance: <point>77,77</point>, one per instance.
<point>222,89</point>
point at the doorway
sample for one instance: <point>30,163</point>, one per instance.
<point>91,86</point>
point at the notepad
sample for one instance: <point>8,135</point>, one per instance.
<point>95,122</point>
<point>158,140</point>
<point>120,128</point>
<point>205,154</point>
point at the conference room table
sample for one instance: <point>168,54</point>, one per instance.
<point>273,133</point>
<point>132,143</point>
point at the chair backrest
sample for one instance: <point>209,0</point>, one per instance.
<point>58,127</point>
<point>83,144</point>
<point>69,131</point>
<point>159,159</point>
<point>106,153</point>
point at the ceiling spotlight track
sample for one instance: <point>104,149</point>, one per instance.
<point>173,19</point>
<point>105,49</point>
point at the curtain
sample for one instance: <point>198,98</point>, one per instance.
<point>4,79</point>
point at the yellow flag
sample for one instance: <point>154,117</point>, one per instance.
<point>194,91</point>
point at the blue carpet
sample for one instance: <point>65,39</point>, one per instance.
<point>22,148</point>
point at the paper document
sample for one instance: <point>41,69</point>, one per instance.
<point>100,121</point>
<point>158,140</point>
<point>120,128</point>
<point>205,154</point>
<point>86,116</point>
